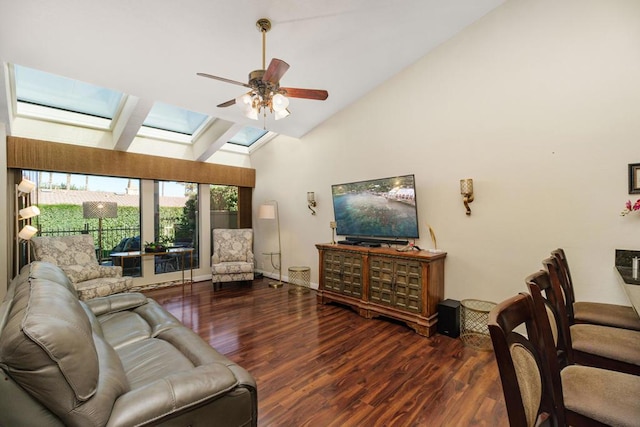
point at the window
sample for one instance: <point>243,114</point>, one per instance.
<point>173,123</point>
<point>56,98</point>
<point>176,224</point>
<point>247,136</point>
<point>65,199</point>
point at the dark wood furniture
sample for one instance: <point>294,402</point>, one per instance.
<point>536,390</point>
<point>406,286</point>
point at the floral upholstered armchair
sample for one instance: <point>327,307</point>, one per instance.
<point>76,256</point>
<point>232,258</point>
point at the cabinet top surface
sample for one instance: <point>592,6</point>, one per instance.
<point>426,255</point>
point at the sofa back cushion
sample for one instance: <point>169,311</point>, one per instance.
<point>47,345</point>
<point>46,270</point>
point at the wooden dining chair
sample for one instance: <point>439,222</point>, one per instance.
<point>537,391</point>
<point>582,343</point>
<point>618,316</point>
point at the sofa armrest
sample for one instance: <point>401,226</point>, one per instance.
<point>172,395</point>
<point>117,302</point>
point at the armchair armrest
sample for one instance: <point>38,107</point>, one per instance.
<point>110,270</point>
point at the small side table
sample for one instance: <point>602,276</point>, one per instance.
<point>299,279</point>
<point>474,315</point>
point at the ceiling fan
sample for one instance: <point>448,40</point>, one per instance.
<point>266,92</point>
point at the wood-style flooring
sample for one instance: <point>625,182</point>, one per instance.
<point>323,365</point>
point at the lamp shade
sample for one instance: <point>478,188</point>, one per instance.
<point>26,186</point>
<point>100,209</point>
<point>29,212</point>
<point>279,102</point>
<point>27,232</point>
<point>466,186</point>
<point>267,212</point>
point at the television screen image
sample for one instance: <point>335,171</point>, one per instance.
<point>384,207</point>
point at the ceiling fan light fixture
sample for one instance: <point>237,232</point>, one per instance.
<point>265,94</point>
<point>244,100</point>
<point>281,114</point>
<point>251,113</point>
<point>279,102</point>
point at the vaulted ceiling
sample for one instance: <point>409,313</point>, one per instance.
<point>152,50</point>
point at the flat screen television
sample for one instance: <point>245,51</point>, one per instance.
<point>383,208</point>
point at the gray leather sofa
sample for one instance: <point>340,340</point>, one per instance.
<point>120,360</point>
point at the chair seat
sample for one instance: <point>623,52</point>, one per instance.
<point>618,316</point>
<point>605,341</point>
<point>588,391</point>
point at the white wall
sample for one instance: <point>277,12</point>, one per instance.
<point>538,102</point>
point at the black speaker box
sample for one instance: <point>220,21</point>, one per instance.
<point>449,318</point>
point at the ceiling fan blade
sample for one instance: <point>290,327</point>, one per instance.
<point>293,92</point>
<point>229,103</point>
<point>222,79</point>
<point>277,68</point>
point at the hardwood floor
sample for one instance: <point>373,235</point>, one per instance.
<point>323,365</point>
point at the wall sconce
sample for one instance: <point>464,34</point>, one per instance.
<point>466,189</point>
<point>311,201</point>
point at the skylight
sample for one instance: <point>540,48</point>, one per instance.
<point>247,136</point>
<point>174,119</point>
<point>58,98</point>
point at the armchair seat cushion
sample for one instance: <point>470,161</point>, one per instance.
<point>236,267</point>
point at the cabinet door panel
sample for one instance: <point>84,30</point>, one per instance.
<point>408,285</point>
<point>343,273</point>
<point>381,281</point>
<point>352,275</point>
<point>332,266</point>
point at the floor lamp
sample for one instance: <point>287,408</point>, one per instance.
<point>24,213</point>
<point>99,210</point>
<point>269,210</point>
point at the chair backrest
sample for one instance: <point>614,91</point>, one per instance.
<point>527,379</point>
<point>566,283</point>
<point>545,290</point>
<point>233,244</point>
<point>66,250</point>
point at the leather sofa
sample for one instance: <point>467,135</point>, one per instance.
<point>119,360</point>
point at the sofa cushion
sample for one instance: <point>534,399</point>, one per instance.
<point>47,344</point>
<point>47,270</point>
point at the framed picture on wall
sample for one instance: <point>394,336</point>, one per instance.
<point>634,178</point>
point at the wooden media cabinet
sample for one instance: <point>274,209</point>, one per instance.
<point>406,286</point>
